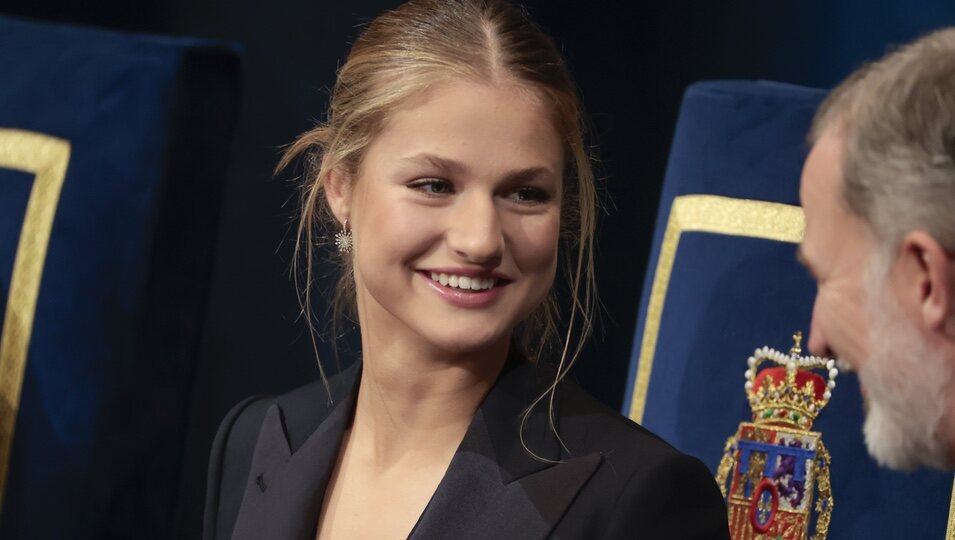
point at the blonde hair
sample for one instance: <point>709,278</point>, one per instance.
<point>897,117</point>
<point>400,55</point>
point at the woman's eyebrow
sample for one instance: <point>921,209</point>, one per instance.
<point>446,165</point>
<point>529,174</point>
<point>452,167</point>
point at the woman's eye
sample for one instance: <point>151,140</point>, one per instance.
<point>530,195</point>
<point>432,186</point>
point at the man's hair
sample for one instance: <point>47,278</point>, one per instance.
<point>897,120</point>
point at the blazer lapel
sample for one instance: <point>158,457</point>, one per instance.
<point>286,486</point>
<point>493,488</point>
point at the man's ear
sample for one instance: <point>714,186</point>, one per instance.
<point>338,191</point>
<point>926,275</point>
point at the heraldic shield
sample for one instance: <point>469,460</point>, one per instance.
<point>773,465</point>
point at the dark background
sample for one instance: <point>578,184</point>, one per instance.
<point>632,62</point>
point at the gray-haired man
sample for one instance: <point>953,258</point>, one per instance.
<point>878,189</point>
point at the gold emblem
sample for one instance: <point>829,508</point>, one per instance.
<point>774,463</point>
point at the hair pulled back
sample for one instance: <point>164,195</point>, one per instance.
<point>402,54</point>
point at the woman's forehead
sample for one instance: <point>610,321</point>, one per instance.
<point>461,118</point>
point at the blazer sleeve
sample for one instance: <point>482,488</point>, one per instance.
<point>677,499</point>
<point>229,464</point>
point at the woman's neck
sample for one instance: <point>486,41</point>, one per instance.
<point>415,404</point>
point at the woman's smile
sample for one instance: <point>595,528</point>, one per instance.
<point>463,295</point>
<point>464,283</point>
<point>467,289</point>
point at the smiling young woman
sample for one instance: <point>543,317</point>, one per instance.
<point>452,157</point>
<point>464,181</point>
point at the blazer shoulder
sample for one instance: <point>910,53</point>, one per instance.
<point>654,488</point>
<point>229,462</point>
<point>675,498</point>
<point>595,427</point>
<point>302,410</point>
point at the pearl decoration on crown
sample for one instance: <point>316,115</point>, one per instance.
<point>784,402</point>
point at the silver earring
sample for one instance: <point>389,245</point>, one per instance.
<point>344,240</point>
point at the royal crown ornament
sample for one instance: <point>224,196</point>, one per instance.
<point>775,460</point>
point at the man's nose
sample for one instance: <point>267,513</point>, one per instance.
<point>817,340</point>
<point>474,232</point>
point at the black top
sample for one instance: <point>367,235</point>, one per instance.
<point>272,458</point>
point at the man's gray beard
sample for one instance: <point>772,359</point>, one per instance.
<point>905,384</point>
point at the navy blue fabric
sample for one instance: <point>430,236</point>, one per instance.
<point>729,295</point>
<point>99,433</point>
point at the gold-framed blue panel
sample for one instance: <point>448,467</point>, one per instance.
<point>103,304</point>
<point>864,493</point>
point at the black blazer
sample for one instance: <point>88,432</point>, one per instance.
<point>272,458</point>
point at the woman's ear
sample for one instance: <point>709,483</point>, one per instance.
<point>338,191</point>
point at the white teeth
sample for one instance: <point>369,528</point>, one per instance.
<point>463,282</point>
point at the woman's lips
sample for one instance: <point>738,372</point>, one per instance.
<point>464,282</point>
<point>470,292</point>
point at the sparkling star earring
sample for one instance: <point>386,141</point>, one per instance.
<point>344,240</point>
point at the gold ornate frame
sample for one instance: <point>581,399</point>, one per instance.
<point>47,159</point>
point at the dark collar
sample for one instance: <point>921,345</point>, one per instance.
<point>492,489</point>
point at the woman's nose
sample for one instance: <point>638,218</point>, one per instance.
<point>474,230</point>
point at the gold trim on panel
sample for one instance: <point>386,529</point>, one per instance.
<point>46,158</point>
<point>711,214</point>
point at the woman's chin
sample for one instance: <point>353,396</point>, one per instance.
<point>471,343</point>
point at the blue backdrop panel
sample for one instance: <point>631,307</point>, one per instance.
<point>148,120</point>
<point>729,294</point>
